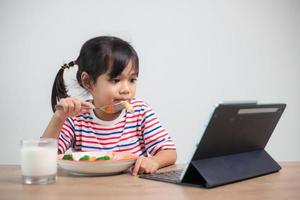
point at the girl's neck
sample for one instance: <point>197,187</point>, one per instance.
<point>105,116</point>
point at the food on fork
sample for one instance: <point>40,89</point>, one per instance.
<point>109,109</point>
<point>129,107</point>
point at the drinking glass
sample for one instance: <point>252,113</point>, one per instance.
<point>39,161</point>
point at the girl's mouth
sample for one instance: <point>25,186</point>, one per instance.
<point>120,100</point>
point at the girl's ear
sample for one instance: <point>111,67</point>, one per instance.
<point>86,81</point>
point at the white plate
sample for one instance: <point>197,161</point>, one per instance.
<point>118,163</point>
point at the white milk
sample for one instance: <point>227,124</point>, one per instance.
<point>38,161</point>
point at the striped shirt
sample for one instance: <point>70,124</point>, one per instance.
<point>139,133</point>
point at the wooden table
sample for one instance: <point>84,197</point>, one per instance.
<point>282,185</point>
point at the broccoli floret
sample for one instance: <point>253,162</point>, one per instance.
<point>86,157</point>
<point>103,158</point>
<point>68,157</point>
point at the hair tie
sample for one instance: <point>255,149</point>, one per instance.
<point>70,64</point>
<point>65,66</point>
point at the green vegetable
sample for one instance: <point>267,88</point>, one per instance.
<point>103,158</point>
<point>86,157</point>
<point>68,157</point>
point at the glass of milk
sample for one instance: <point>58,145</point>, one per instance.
<point>39,160</point>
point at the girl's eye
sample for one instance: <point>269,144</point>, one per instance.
<point>133,80</point>
<point>114,80</point>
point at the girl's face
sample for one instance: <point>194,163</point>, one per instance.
<point>109,91</point>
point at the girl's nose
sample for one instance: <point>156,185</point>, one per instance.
<point>124,89</point>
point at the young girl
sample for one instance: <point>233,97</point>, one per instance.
<point>108,69</point>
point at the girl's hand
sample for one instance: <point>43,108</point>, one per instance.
<point>71,107</point>
<point>145,165</point>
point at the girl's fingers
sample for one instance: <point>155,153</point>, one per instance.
<point>85,111</point>
<point>148,168</point>
<point>87,105</point>
<point>77,107</point>
<point>147,171</point>
<point>141,171</point>
<point>67,104</point>
<point>153,170</point>
<point>136,168</point>
<point>144,165</point>
<point>72,106</point>
<point>64,104</point>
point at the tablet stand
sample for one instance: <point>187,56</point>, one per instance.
<point>215,171</point>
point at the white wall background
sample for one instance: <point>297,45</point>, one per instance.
<point>193,55</point>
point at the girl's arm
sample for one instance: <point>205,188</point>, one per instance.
<point>165,157</point>
<point>158,144</point>
<point>69,107</point>
<point>54,126</point>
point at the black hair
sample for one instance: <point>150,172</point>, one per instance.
<point>97,56</point>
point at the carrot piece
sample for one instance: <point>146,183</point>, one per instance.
<point>93,158</point>
<point>109,109</point>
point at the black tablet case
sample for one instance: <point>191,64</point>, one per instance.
<point>232,146</point>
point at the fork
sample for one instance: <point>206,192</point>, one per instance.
<point>110,109</point>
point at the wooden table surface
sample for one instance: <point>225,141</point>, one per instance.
<point>282,185</point>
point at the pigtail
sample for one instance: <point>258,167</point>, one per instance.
<point>59,89</point>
